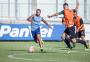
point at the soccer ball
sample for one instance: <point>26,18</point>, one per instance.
<point>31,49</point>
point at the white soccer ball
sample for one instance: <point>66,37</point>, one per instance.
<point>31,49</point>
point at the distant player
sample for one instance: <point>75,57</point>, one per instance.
<point>80,29</point>
<point>35,20</point>
<point>69,23</point>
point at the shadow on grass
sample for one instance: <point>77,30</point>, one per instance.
<point>17,50</point>
<point>26,51</point>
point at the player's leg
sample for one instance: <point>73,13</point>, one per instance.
<point>72,35</point>
<point>74,42</point>
<point>82,38</point>
<point>66,40</point>
<point>37,37</point>
<point>63,36</point>
<point>41,43</point>
<point>34,36</point>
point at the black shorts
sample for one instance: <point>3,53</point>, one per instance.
<point>71,32</point>
<point>81,33</point>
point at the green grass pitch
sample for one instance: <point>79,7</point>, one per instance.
<point>53,52</point>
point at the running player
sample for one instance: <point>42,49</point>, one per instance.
<point>35,20</point>
<point>80,30</point>
<point>69,23</point>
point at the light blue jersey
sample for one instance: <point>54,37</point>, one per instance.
<point>36,22</point>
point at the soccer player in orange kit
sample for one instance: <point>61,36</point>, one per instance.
<point>69,23</point>
<point>80,29</point>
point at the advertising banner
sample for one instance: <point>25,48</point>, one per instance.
<point>23,32</point>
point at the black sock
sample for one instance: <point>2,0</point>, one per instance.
<point>83,42</point>
<point>67,43</point>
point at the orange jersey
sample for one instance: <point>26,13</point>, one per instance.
<point>79,23</point>
<point>68,15</point>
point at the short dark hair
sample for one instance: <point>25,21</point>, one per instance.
<point>65,4</point>
<point>38,10</point>
<point>74,10</point>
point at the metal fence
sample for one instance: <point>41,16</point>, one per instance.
<point>18,10</point>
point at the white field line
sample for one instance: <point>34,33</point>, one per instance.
<point>13,56</point>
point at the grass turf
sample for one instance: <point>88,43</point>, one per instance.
<point>53,52</point>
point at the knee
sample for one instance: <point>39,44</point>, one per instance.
<point>74,40</point>
<point>82,38</point>
<point>63,37</point>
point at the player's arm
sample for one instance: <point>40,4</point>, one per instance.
<point>82,25</point>
<point>77,4</point>
<point>46,23</point>
<point>63,20</point>
<point>30,18</point>
<point>56,14</point>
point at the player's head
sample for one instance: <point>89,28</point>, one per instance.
<point>65,6</point>
<point>75,12</point>
<point>38,12</point>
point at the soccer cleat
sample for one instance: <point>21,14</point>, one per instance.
<point>41,50</point>
<point>87,44</point>
<point>70,48</point>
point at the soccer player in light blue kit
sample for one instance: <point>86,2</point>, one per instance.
<point>35,20</point>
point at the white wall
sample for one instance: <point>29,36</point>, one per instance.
<point>47,7</point>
